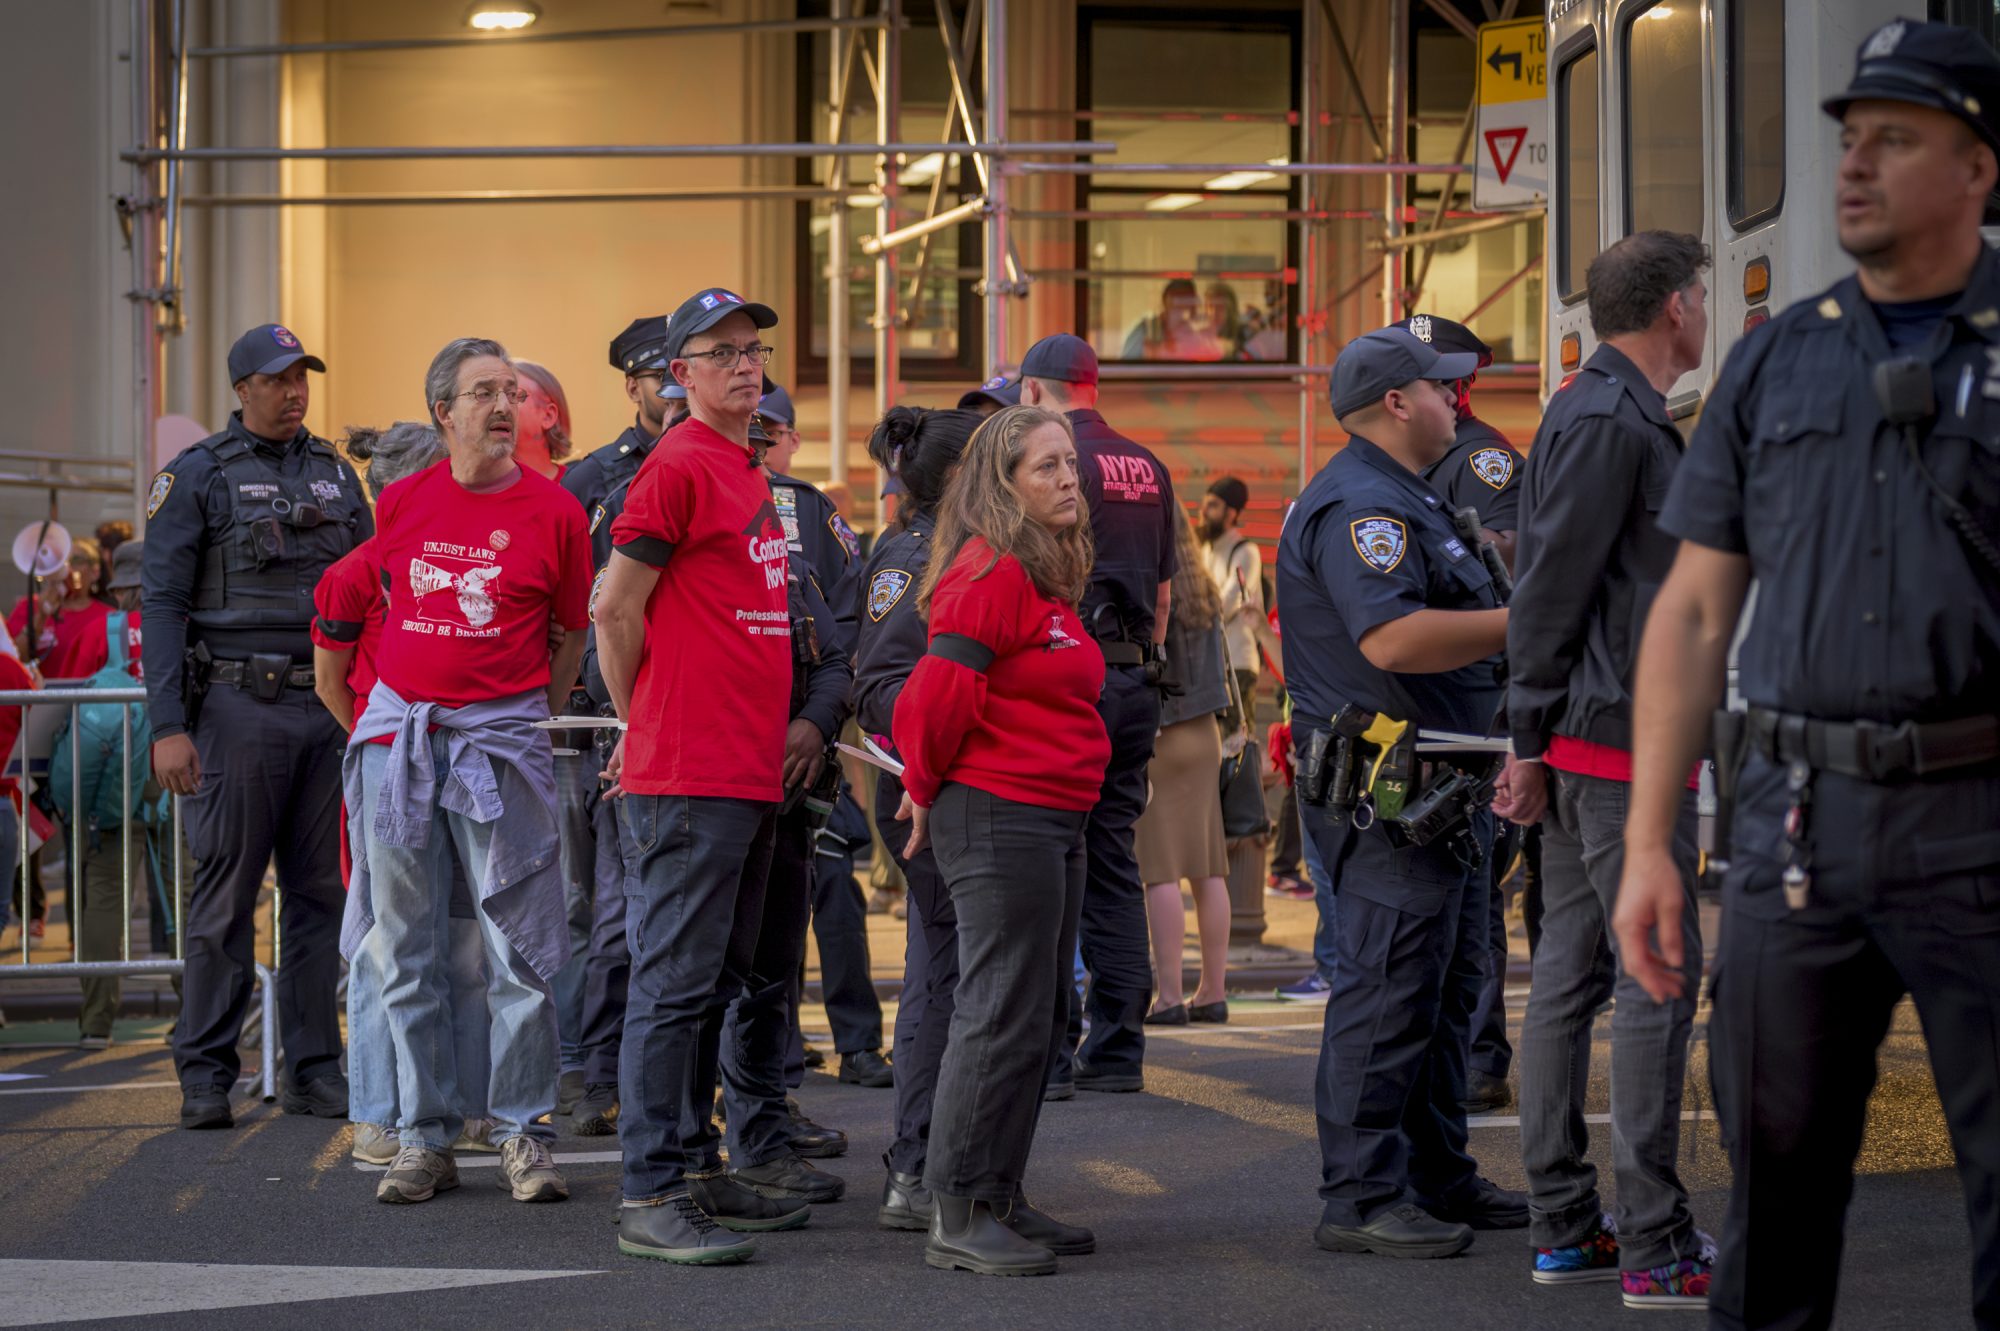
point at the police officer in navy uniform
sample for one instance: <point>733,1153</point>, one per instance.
<point>1384,608</point>
<point>240,527</point>
<point>638,351</point>
<point>1846,461</point>
<point>1132,517</point>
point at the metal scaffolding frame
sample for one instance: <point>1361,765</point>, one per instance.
<point>864,43</point>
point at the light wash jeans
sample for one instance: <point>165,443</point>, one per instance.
<point>408,953</point>
<point>1575,971</point>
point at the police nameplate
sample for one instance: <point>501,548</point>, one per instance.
<point>1495,466</point>
<point>1379,541</point>
<point>886,589</point>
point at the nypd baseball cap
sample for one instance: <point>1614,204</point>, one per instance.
<point>1446,335</point>
<point>1001,390</point>
<point>1939,65</point>
<point>638,347</point>
<point>1387,358</point>
<point>776,405</point>
<point>1063,357</point>
<point>268,349</point>
<point>705,309</point>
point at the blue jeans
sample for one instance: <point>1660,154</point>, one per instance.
<point>695,904</point>
<point>1322,886</point>
<point>409,949</point>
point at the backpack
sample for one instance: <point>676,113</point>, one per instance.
<point>98,738</point>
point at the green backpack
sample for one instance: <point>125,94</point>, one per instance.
<point>100,739</point>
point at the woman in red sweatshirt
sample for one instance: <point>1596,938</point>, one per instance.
<point>1004,755</point>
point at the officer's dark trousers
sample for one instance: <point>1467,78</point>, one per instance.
<point>270,787</point>
<point>840,923</point>
<point>930,985</point>
<point>1905,896</point>
<point>696,903</point>
<point>1491,1052</point>
<point>577,799</point>
<point>759,1026</point>
<point>607,963</point>
<point>1113,928</point>
<point>1016,877</point>
<point>1410,957</point>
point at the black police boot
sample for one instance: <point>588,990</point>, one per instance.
<point>967,1236</point>
<point>867,1068</point>
<point>1484,1205</point>
<point>1485,1093</point>
<point>1040,1227</point>
<point>596,1114</point>
<point>734,1205</point>
<point>789,1176</point>
<point>1064,1089</point>
<point>1089,1080</point>
<point>206,1107</point>
<point>906,1202</point>
<point>569,1089</point>
<point>676,1230</point>
<point>809,1139</point>
<point>1404,1230</point>
<point>324,1096</point>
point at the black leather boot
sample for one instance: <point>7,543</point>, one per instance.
<point>966,1236</point>
<point>906,1202</point>
<point>1040,1227</point>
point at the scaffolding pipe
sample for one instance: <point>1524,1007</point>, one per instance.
<point>839,367</point>
<point>145,330</point>
<point>1398,110</point>
<point>996,285</point>
<point>1286,275</point>
<point>1454,232</point>
<point>177,98</point>
<point>888,59</point>
<point>1306,240</point>
<point>889,240</point>
<point>486,152</point>
<point>1225,168</point>
<point>1165,371</point>
<point>1354,83</point>
<point>1501,290</point>
<point>670,194</point>
<point>534,38</point>
<point>961,90</point>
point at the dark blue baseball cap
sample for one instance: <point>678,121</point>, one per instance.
<point>776,405</point>
<point>1001,390</point>
<point>638,347</point>
<point>705,309</point>
<point>268,349</point>
<point>1387,358</point>
<point>1447,335</point>
<point>1939,65</point>
<point>1063,357</point>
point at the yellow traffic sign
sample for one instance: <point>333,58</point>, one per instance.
<point>1513,61</point>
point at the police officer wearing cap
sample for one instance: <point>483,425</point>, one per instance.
<point>240,527</point>
<point>1845,461</point>
<point>638,351</point>
<point>1387,615</point>
<point>1132,517</point>
<point>996,393</point>
<point>1480,469</point>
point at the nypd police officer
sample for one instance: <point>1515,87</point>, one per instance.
<point>1389,617</point>
<point>240,527</point>
<point>1846,462</point>
<point>639,352</point>
<point>1132,517</point>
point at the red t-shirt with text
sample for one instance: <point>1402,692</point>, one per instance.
<point>714,690</point>
<point>473,580</point>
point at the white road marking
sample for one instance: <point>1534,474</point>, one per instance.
<point>1514,1120</point>
<point>485,1161</point>
<point>42,1291</point>
<point>22,1076</point>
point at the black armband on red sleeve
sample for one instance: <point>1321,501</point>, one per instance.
<point>340,630</point>
<point>969,652</point>
<point>648,550</point>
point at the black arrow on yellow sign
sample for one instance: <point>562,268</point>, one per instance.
<point>1500,57</point>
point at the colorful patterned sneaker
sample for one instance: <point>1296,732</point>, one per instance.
<point>1595,1258</point>
<point>1681,1284</point>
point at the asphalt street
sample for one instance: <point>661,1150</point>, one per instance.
<point>1200,1188</point>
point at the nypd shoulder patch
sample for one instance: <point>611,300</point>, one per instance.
<point>596,587</point>
<point>885,590</point>
<point>844,534</point>
<point>596,519</point>
<point>1379,541</point>
<point>163,485</point>
<point>1495,466</point>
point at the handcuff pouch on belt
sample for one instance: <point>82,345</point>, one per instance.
<point>264,675</point>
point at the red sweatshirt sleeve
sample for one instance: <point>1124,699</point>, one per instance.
<point>943,700</point>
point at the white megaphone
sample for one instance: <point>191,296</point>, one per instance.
<point>42,548</point>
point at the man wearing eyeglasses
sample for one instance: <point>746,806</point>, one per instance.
<point>240,527</point>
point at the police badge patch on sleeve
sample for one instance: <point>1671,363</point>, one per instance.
<point>596,518</point>
<point>1495,466</point>
<point>886,589</point>
<point>163,485</point>
<point>596,586</point>
<point>1379,541</point>
<point>844,534</point>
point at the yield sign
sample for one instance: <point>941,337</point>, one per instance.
<point>1504,146</point>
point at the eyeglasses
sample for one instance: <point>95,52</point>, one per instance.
<point>486,395</point>
<point>726,356</point>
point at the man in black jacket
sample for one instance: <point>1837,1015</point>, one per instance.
<point>1591,557</point>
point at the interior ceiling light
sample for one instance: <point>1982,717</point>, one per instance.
<point>1172,203</point>
<point>502,15</point>
<point>1245,179</point>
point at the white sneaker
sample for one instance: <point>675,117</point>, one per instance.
<point>477,1135</point>
<point>527,1168</point>
<point>375,1144</point>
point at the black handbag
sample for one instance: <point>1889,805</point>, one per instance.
<point>1243,812</point>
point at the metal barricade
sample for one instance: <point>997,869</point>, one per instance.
<point>34,737</point>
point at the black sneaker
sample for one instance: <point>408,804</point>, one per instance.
<point>677,1230</point>
<point>1116,1082</point>
<point>811,1140</point>
<point>1405,1230</point>
<point>1059,1090</point>
<point>1486,1093</point>
<point>569,1089</point>
<point>206,1107</point>
<point>737,1206</point>
<point>596,1114</point>
<point>1484,1205</point>
<point>323,1097</point>
<point>789,1176</point>
<point>812,1057</point>
<point>867,1068</point>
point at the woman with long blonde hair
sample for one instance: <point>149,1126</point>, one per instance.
<point>1004,754</point>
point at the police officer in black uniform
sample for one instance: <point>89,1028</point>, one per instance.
<point>592,478</point>
<point>1388,614</point>
<point>1132,517</point>
<point>240,527</point>
<point>1845,461</point>
<point>1479,472</point>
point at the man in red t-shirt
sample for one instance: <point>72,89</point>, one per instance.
<point>478,554</point>
<point>695,643</point>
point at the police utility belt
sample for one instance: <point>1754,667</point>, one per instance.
<point>264,675</point>
<point>1366,770</point>
<point>1872,750</point>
